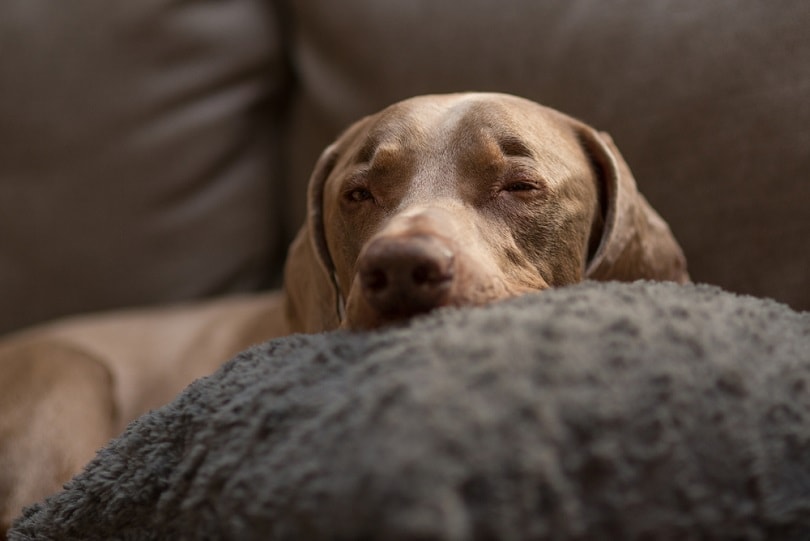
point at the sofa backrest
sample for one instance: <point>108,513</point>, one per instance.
<point>137,152</point>
<point>154,151</point>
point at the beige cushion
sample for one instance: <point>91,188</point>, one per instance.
<point>708,101</point>
<point>135,153</point>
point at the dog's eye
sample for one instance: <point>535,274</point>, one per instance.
<point>520,186</point>
<point>358,195</point>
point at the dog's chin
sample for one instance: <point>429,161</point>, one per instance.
<point>361,316</point>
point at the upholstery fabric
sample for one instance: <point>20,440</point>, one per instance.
<point>158,151</point>
<point>600,411</point>
<point>137,153</point>
<point>706,100</point>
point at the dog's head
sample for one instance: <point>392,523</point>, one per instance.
<point>464,199</point>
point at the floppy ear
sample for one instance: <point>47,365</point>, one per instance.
<point>311,293</point>
<point>636,242</point>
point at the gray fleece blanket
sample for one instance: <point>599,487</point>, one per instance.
<point>602,411</point>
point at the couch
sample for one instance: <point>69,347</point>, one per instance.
<point>157,152</point>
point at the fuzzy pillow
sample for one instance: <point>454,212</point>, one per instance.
<point>600,411</point>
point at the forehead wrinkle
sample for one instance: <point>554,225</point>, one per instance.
<point>398,131</point>
<point>520,129</point>
<point>532,132</point>
<point>477,139</point>
<point>492,129</point>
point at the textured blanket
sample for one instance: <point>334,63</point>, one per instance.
<point>601,411</point>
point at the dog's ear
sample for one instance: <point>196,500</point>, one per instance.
<point>311,295</point>
<point>636,243</point>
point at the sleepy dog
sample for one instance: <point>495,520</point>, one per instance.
<point>462,200</point>
<point>452,200</point>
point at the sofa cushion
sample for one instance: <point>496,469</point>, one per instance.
<point>600,411</point>
<point>137,153</point>
<point>706,100</point>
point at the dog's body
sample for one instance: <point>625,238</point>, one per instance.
<point>449,200</point>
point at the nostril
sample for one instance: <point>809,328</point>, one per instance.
<point>375,279</point>
<point>421,275</point>
<point>428,273</point>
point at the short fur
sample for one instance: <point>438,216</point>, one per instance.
<point>524,197</point>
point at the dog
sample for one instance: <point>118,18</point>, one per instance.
<point>436,201</point>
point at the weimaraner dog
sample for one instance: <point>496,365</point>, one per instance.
<point>445,200</point>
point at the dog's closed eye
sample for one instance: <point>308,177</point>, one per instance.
<point>357,188</point>
<point>358,195</point>
<point>520,186</point>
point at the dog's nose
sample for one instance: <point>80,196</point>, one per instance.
<point>403,276</point>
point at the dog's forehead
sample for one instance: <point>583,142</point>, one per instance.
<point>436,122</point>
